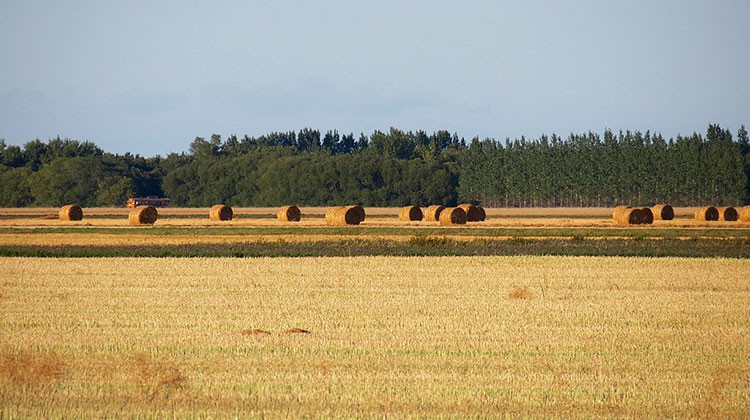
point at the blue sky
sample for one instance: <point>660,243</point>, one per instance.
<point>147,78</point>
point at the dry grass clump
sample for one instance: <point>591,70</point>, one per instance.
<point>156,377</point>
<point>520,293</point>
<point>745,214</point>
<point>728,214</point>
<point>453,216</point>
<point>296,331</point>
<point>342,216</point>
<point>432,214</point>
<point>707,213</point>
<point>220,213</point>
<point>71,212</point>
<point>473,213</point>
<point>410,213</point>
<point>662,212</point>
<point>143,215</point>
<point>289,214</point>
<point>30,369</point>
<point>255,331</point>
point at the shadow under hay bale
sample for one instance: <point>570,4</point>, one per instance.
<point>432,214</point>
<point>71,213</point>
<point>410,213</point>
<point>221,213</point>
<point>707,213</point>
<point>143,215</point>
<point>289,214</point>
<point>663,212</point>
<point>728,214</point>
<point>342,216</point>
<point>453,216</point>
<point>473,213</point>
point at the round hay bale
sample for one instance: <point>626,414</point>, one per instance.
<point>453,216</point>
<point>624,215</point>
<point>645,216</point>
<point>482,214</point>
<point>410,213</point>
<point>432,214</point>
<point>628,216</point>
<point>71,212</point>
<point>663,212</point>
<point>728,214</point>
<point>220,213</point>
<point>473,214</point>
<point>289,214</point>
<point>342,216</point>
<point>360,211</point>
<point>707,213</point>
<point>745,214</point>
<point>143,215</point>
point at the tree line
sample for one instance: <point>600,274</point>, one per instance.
<point>391,168</point>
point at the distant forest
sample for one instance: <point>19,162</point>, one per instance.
<point>393,168</point>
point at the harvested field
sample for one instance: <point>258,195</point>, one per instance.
<point>314,217</point>
<point>534,337</point>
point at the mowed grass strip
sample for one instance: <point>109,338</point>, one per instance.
<point>414,246</point>
<point>531,337</point>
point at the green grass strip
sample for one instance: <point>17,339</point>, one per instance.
<point>416,246</point>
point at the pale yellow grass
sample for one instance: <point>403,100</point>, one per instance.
<point>395,337</point>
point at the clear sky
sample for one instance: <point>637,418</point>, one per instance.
<point>149,76</point>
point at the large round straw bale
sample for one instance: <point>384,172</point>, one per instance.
<point>410,213</point>
<point>71,212</point>
<point>745,214</point>
<point>220,213</point>
<point>627,215</point>
<point>360,211</point>
<point>728,214</point>
<point>645,216</point>
<point>473,214</point>
<point>453,216</point>
<point>624,215</point>
<point>289,214</point>
<point>663,212</point>
<point>143,215</point>
<point>482,214</point>
<point>342,216</point>
<point>432,214</point>
<point>707,213</point>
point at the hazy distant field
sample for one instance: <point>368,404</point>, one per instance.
<point>564,337</point>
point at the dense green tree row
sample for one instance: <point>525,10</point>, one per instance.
<point>391,168</point>
<point>607,170</point>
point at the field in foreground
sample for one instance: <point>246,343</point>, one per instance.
<point>540,337</point>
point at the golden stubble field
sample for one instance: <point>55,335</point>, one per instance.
<point>534,337</point>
